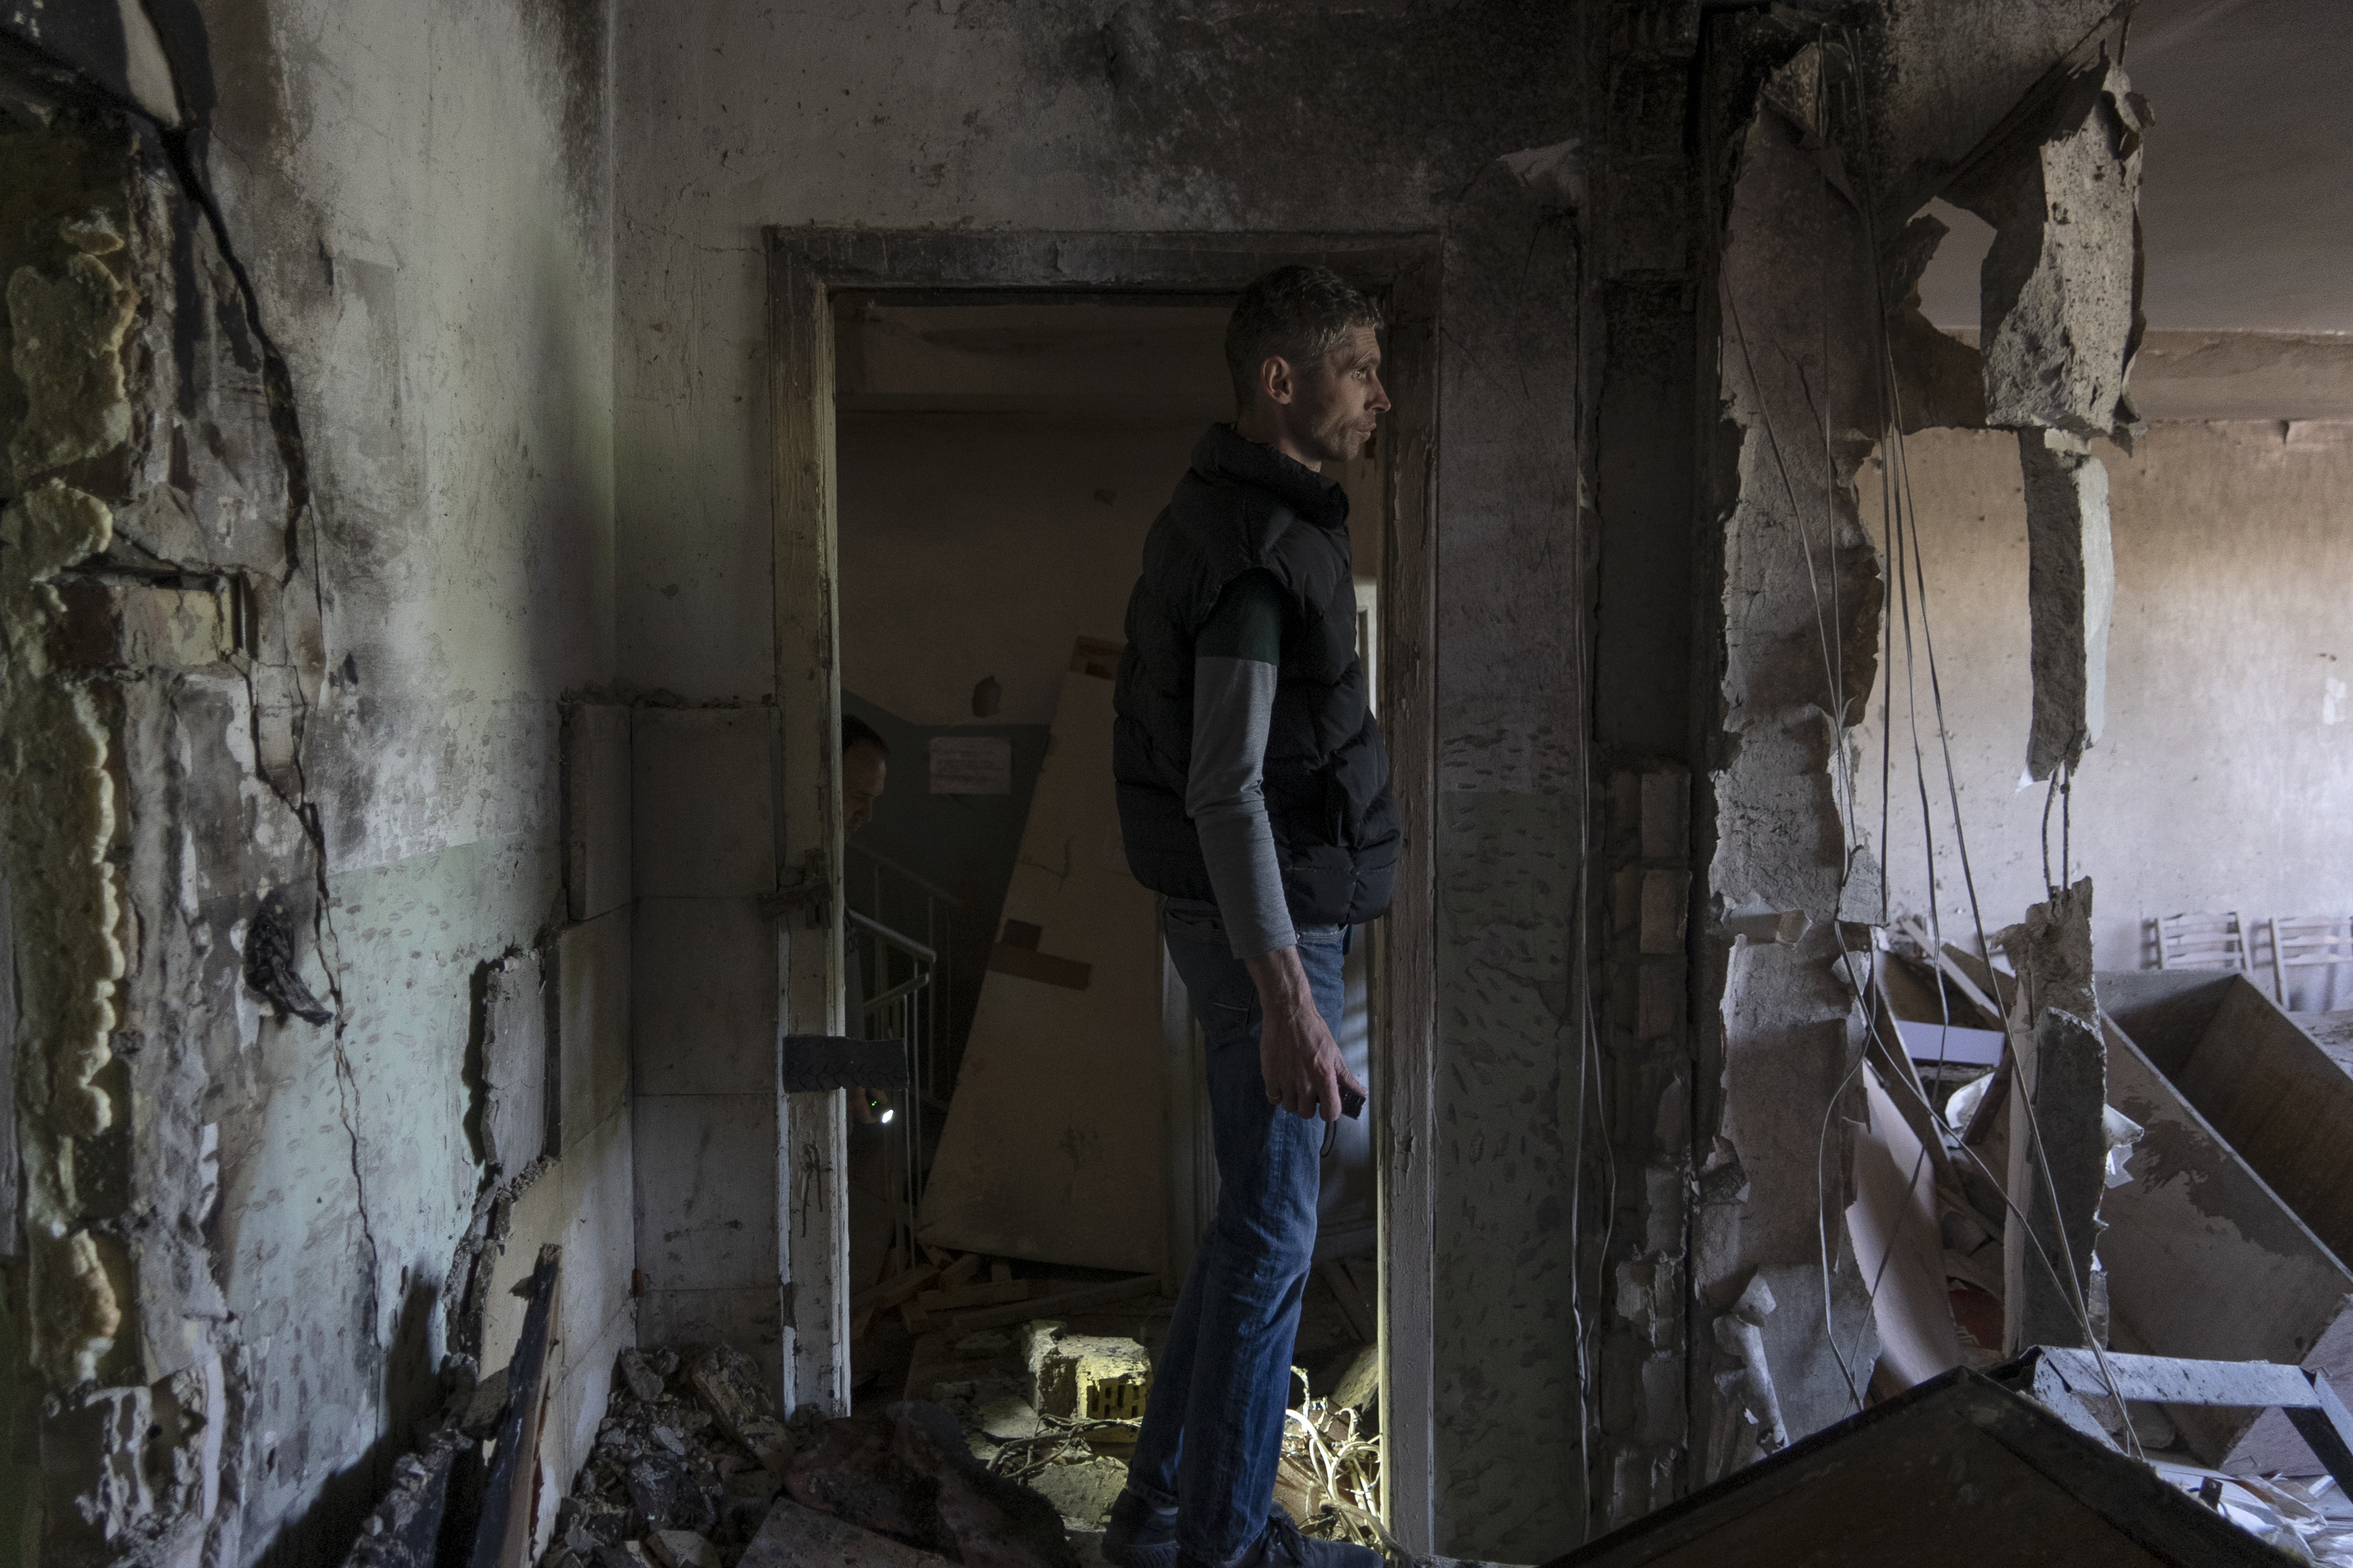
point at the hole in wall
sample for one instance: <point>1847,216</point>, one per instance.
<point>1948,288</point>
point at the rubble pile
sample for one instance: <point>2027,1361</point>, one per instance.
<point>1055,1411</point>
<point>1008,1451</point>
<point>687,1461</point>
<point>906,1471</point>
<point>1059,1412</point>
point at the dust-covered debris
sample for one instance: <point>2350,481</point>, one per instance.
<point>669,1476</point>
<point>1090,1377</point>
<point>907,1471</point>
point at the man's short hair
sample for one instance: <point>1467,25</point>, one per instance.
<point>1300,313</point>
<point>854,730</point>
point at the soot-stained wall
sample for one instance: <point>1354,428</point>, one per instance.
<point>309,532</point>
<point>1284,119</point>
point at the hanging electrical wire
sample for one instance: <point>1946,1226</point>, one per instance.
<point>1904,571</point>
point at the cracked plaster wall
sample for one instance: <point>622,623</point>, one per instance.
<point>1082,115</point>
<point>367,420</point>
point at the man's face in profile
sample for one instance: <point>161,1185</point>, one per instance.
<point>864,773</point>
<point>1341,400</point>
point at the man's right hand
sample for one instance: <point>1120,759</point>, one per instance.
<point>1297,1056</point>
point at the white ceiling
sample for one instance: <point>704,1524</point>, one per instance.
<point>2247,185</point>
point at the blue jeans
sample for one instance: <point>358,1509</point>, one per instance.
<point>1213,1428</point>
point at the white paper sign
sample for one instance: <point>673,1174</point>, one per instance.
<point>972,764</point>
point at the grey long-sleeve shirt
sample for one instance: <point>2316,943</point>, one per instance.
<point>1235,657</point>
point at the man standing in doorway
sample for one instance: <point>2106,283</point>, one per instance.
<point>1254,796</point>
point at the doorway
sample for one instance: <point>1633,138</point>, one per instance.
<point>973,435</point>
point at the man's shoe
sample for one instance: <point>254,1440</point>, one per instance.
<point>1281,1546</point>
<point>1141,1534</point>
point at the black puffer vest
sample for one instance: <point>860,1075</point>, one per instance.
<point>1243,506</point>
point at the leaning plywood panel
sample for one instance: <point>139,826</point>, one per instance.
<point>1052,1148</point>
<point>2205,1261</point>
<point>2280,1100</point>
<point>1956,1473</point>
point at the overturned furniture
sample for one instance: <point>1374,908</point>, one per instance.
<point>1958,1471</point>
<point>2238,1187</point>
<point>2070,1384</point>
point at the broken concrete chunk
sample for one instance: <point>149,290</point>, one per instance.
<point>682,1549</point>
<point>1082,1493</point>
<point>724,1379</point>
<point>2058,1148</point>
<point>484,1406</point>
<point>1085,1377</point>
<point>2051,953</point>
<point>1748,1421</point>
<point>906,1471</point>
<point>663,1495</point>
<point>643,1381</point>
<point>2071,592</point>
<point>2059,290</point>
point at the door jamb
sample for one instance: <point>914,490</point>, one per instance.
<point>805,266</point>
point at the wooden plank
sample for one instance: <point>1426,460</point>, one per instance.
<point>1364,1319</point>
<point>1405,945</point>
<point>812,1187</point>
<point>503,1534</point>
<point>986,1293</point>
<point>1091,1299</point>
<point>897,1289</point>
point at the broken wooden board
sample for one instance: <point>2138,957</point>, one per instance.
<point>1052,1148</point>
<point>2205,1261</point>
<point>1956,1473</point>
<point>1065,1303</point>
<point>506,1532</point>
<point>2259,1081</point>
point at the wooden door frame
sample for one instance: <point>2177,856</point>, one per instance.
<point>805,267</point>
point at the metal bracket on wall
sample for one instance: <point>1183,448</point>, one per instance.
<point>812,892</point>
<point>819,1062</point>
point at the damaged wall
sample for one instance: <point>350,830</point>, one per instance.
<point>1821,145</point>
<point>2216,784</point>
<point>1083,115</point>
<point>311,585</point>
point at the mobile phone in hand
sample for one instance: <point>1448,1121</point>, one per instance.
<point>1351,1102</point>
